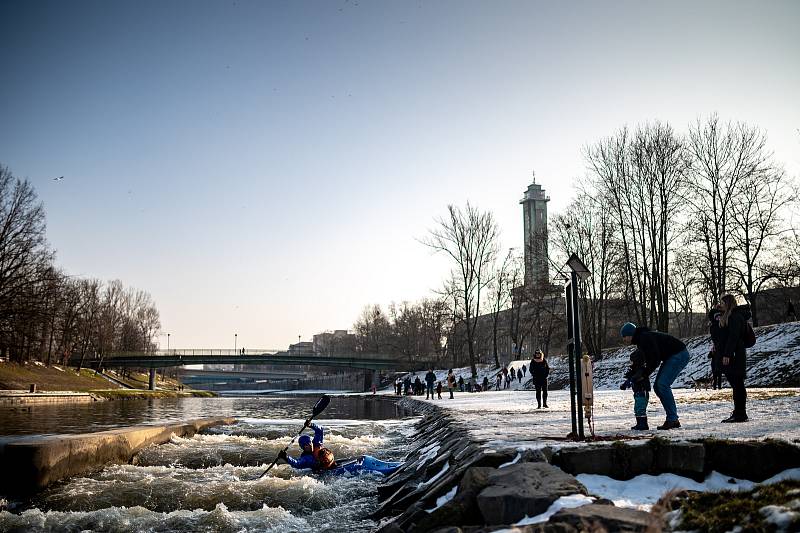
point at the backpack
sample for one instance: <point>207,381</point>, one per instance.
<point>748,335</point>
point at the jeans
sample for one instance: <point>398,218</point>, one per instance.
<point>429,391</point>
<point>640,401</point>
<point>667,374</point>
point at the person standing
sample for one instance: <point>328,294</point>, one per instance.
<point>460,383</point>
<point>499,379</point>
<point>732,321</point>
<point>439,389</point>
<point>714,354</point>
<point>660,349</point>
<point>430,379</point>
<point>539,372</point>
<point>640,385</point>
<point>451,382</point>
<point>485,384</point>
<point>524,368</point>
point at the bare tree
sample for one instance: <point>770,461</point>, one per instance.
<point>586,228</point>
<point>469,238</point>
<point>500,296</point>
<point>723,158</point>
<point>641,178</point>
<point>757,223</point>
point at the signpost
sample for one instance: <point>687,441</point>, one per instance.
<point>579,271</point>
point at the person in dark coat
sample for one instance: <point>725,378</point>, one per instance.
<point>715,353</point>
<point>430,379</point>
<point>732,321</point>
<point>499,379</point>
<point>461,383</point>
<point>485,383</point>
<point>660,349</point>
<point>524,368</point>
<point>539,371</point>
<point>640,386</point>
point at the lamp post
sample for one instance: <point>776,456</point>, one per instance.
<point>578,271</point>
<point>167,343</point>
<point>235,335</point>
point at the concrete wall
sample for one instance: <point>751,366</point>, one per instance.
<point>31,463</point>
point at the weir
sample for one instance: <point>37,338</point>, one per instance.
<point>32,463</point>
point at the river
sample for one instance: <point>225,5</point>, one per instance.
<point>209,482</point>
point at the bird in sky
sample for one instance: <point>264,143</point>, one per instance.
<point>58,178</point>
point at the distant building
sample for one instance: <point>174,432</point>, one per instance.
<point>337,342</point>
<point>301,348</point>
<point>534,218</point>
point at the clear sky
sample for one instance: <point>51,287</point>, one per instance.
<point>267,168</point>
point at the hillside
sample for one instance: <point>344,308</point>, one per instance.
<point>774,361</point>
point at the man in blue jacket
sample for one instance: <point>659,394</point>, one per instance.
<point>314,456</point>
<point>668,352</point>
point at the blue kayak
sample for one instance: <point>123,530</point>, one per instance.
<point>365,463</point>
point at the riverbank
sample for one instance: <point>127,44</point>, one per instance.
<point>56,384</point>
<point>490,461</point>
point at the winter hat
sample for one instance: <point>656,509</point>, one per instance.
<point>627,330</point>
<point>304,440</point>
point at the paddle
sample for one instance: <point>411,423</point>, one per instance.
<point>320,406</point>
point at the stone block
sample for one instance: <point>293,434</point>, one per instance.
<point>679,457</point>
<point>606,516</point>
<point>524,489</point>
<point>753,460</point>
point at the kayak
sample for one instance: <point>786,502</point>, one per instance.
<point>363,464</point>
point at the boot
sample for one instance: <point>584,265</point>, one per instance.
<point>735,417</point>
<point>539,406</point>
<point>546,406</point>
<point>641,424</point>
<point>670,424</point>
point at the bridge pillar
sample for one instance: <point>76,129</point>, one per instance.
<point>375,378</point>
<point>152,384</point>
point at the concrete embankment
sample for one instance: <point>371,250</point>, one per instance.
<point>36,398</point>
<point>453,483</point>
<point>32,463</point>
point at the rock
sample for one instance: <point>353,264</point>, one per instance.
<point>524,489</point>
<point>753,460</point>
<point>609,517</point>
<point>460,511</point>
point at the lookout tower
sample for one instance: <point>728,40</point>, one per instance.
<point>534,216</point>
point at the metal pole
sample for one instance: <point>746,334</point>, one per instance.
<point>571,356</point>
<point>576,335</point>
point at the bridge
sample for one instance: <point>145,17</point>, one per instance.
<point>189,376</point>
<point>179,357</point>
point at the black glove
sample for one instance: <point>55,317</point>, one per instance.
<point>282,456</point>
<point>625,384</point>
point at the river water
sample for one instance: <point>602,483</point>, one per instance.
<point>208,482</point>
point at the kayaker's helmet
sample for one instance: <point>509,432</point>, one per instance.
<point>304,441</point>
<point>325,458</point>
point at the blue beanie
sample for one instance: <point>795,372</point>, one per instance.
<point>304,440</point>
<point>627,330</point>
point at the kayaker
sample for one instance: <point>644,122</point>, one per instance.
<point>314,455</point>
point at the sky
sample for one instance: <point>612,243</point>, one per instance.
<point>267,169</point>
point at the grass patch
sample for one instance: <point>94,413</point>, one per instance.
<point>726,395</point>
<point>723,511</point>
<point>14,376</point>
<point>132,394</point>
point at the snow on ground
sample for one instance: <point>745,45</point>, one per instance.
<point>642,492</point>
<point>509,419</point>
<point>773,361</point>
